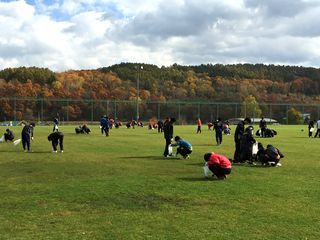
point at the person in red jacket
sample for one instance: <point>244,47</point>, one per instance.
<point>218,164</point>
<point>199,124</point>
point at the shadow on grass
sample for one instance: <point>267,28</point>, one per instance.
<point>22,152</point>
<point>196,164</point>
<point>257,165</point>
<point>205,145</point>
<point>160,158</point>
<point>198,179</point>
<point>41,152</point>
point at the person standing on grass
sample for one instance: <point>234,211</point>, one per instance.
<point>27,135</point>
<point>263,127</point>
<point>55,124</point>
<point>56,138</point>
<point>218,164</point>
<point>318,128</point>
<point>237,138</point>
<point>160,126</point>
<point>199,124</point>
<point>104,124</point>
<point>168,134</point>
<point>310,128</point>
<point>218,127</point>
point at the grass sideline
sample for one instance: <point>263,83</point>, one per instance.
<point>121,187</point>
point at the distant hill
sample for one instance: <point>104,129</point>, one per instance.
<point>268,83</point>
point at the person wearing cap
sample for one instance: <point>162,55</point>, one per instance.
<point>218,164</point>
<point>237,137</point>
<point>184,148</point>
<point>168,134</point>
<point>56,138</point>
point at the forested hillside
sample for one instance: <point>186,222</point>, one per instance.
<point>268,83</point>
<point>218,83</point>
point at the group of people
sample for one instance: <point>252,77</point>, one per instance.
<point>247,149</point>
<point>218,164</point>
<point>56,137</point>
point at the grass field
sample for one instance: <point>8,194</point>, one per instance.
<point>121,187</point>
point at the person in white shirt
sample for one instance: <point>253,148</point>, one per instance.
<point>318,128</point>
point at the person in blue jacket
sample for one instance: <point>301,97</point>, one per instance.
<point>184,148</point>
<point>104,123</point>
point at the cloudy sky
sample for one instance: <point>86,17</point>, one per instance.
<point>79,34</point>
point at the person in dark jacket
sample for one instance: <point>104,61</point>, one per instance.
<point>56,138</point>
<point>310,128</point>
<point>27,135</point>
<point>270,156</point>
<point>8,136</point>
<point>160,126</point>
<point>168,134</point>
<point>55,124</point>
<point>237,138</point>
<point>246,144</point>
<point>263,127</point>
<point>218,127</point>
<point>82,129</point>
<point>104,124</point>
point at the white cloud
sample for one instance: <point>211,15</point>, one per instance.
<point>79,34</point>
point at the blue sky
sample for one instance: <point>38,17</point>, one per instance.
<point>79,34</point>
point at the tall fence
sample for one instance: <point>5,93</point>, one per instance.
<point>90,110</point>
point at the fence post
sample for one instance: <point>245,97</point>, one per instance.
<point>236,110</point>
<point>15,109</point>
<point>91,111</point>
<point>107,108</point>
<point>217,109</point>
<point>245,110</point>
<point>41,115</point>
<point>179,112</point>
<point>158,111</point>
<point>270,112</point>
<point>67,110</point>
<point>287,115</point>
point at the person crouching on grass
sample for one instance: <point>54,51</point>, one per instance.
<point>184,147</point>
<point>55,138</point>
<point>218,164</point>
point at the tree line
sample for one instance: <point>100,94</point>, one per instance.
<point>206,82</point>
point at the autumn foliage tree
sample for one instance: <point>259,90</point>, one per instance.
<point>250,84</point>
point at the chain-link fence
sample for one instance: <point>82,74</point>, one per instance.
<point>90,110</point>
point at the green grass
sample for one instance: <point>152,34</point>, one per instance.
<point>121,187</point>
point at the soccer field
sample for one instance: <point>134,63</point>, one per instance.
<point>121,187</point>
